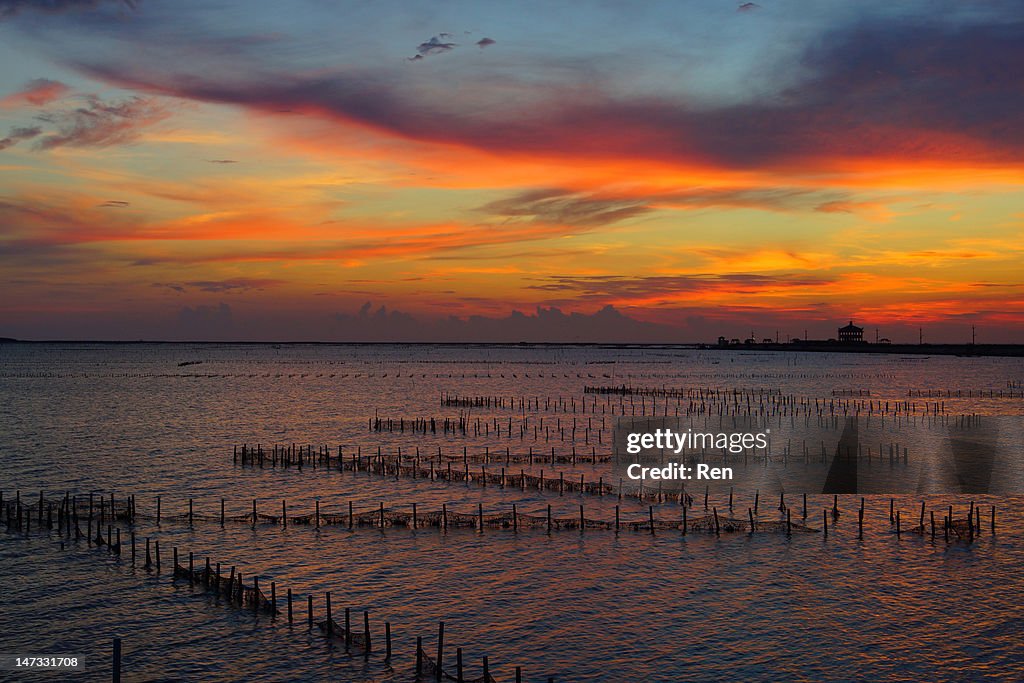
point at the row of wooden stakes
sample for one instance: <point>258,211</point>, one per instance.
<point>251,597</point>
<point>18,518</point>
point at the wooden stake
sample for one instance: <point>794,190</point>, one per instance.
<point>860,520</point>
<point>117,661</point>
<point>440,648</point>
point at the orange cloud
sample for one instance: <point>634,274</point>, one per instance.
<point>36,93</point>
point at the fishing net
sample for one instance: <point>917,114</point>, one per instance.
<point>282,456</point>
<point>335,631</point>
<point>957,528</point>
<point>430,670</point>
<point>231,588</point>
<point>445,518</point>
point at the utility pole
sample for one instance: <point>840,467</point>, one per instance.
<point>972,335</point>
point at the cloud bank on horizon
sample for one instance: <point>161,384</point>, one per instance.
<point>702,169</point>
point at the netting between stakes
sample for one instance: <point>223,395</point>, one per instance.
<point>230,588</point>
<point>445,518</point>
<point>399,467</point>
<point>335,631</point>
<point>960,528</point>
<point>430,670</point>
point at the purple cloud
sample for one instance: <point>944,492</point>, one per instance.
<point>99,123</point>
<point>9,8</point>
<point>898,87</point>
<point>434,46</point>
<point>239,284</point>
<point>16,135</point>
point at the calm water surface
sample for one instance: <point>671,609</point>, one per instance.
<point>592,606</point>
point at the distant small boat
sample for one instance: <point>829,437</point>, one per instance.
<point>189,362</point>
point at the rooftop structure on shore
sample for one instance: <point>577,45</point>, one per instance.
<point>851,334</point>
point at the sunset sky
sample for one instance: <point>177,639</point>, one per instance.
<point>263,170</point>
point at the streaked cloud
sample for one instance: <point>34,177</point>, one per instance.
<point>16,135</point>
<point>9,8</point>
<point>240,284</point>
<point>99,123</point>
<point>559,207</point>
<point>874,90</point>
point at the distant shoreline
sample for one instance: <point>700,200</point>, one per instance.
<point>969,350</point>
<point>1004,350</point>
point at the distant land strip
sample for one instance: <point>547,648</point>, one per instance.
<point>1012,350</point>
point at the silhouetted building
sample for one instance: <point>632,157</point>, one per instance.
<point>851,334</point>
